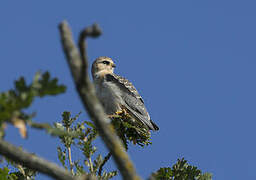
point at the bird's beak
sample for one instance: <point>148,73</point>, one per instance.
<point>113,65</point>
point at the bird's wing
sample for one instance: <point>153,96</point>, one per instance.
<point>133,101</point>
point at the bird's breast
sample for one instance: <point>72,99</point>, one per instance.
<point>109,95</point>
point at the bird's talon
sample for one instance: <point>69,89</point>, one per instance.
<point>119,112</point>
<point>123,112</point>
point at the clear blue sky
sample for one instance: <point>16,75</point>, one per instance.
<point>192,61</point>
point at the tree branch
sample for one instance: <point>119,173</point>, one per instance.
<point>93,31</point>
<point>70,160</point>
<point>33,162</point>
<point>78,64</point>
<point>103,163</point>
<point>53,130</point>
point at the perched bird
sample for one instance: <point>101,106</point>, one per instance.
<point>117,93</point>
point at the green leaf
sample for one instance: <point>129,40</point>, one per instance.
<point>66,120</point>
<point>4,173</point>
<point>14,101</point>
<point>49,86</point>
<point>79,168</point>
<point>62,156</point>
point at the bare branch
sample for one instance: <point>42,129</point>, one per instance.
<point>87,94</point>
<point>103,163</point>
<point>71,52</point>
<point>93,31</point>
<point>33,162</point>
<point>71,164</point>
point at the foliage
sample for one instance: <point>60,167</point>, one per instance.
<point>181,171</point>
<point>125,128</point>
<point>14,101</point>
<point>6,175</point>
<point>130,130</point>
<point>20,173</point>
<point>12,106</point>
<point>85,144</point>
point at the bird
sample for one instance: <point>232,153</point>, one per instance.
<point>117,94</point>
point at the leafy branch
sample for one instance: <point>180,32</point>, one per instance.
<point>33,162</point>
<point>12,106</point>
<point>129,130</point>
<point>14,101</point>
<point>180,171</point>
<point>85,144</point>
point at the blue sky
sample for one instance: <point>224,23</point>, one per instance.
<point>193,62</point>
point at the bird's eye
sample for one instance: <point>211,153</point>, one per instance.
<point>106,62</point>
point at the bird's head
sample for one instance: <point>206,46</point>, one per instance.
<point>102,65</point>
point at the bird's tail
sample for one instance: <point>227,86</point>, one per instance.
<point>156,128</point>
